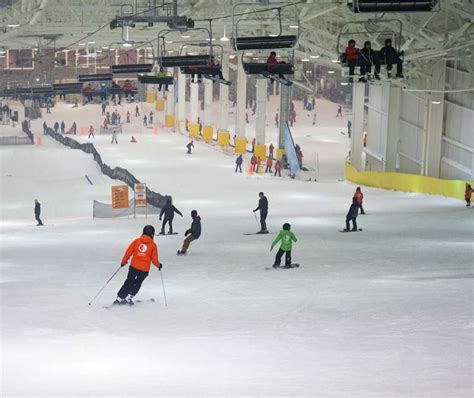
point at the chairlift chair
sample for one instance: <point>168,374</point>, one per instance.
<point>381,6</point>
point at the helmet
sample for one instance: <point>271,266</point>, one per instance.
<point>388,42</point>
<point>149,230</point>
<point>286,226</point>
<point>194,213</point>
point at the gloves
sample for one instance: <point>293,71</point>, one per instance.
<point>160,219</point>
<point>160,266</point>
<point>123,265</point>
<point>255,210</point>
<point>187,233</point>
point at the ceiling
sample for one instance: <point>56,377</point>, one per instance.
<point>426,37</point>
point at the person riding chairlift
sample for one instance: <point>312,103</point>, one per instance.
<point>272,64</point>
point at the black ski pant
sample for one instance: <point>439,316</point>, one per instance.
<point>279,255</point>
<point>361,209</point>
<point>468,202</point>
<point>133,282</point>
<point>396,61</point>
<point>38,220</point>
<point>354,223</point>
<point>263,218</point>
<point>352,63</point>
<point>268,169</point>
<point>366,67</point>
<point>170,224</point>
<point>238,167</point>
<point>279,173</point>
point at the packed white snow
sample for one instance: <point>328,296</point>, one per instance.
<point>387,312</point>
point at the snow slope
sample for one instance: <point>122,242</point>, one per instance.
<point>382,313</point>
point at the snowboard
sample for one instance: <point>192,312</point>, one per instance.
<point>284,267</point>
<point>360,229</point>
<point>256,233</point>
<point>217,80</point>
<point>174,233</point>
<point>277,78</point>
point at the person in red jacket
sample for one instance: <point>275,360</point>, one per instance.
<point>272,64</point>
<point>352,55</point>
<point>143,252</point>
<point>253,162</point>
<point>278,168</point>
<point>468,194</point>
<point>127,88</point>
<point>269,165</point>
<point>359,197</point>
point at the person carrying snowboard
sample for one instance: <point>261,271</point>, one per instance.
<point>143,252</point>
<point>192,233</point>
<point>168,210</point>
<point>263,207</point>
<point>359,197</point>
<point>352,216</point>
<point>287,238</point>
<point>38,212</point>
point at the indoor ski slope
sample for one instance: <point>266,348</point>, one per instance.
<point>382,313</point>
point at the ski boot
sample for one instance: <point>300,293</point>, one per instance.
<point>346,230</point>
<point>389,74</point>
<point>180,253</point>
<point>354,230</point>
<point>276,265</point>
<point>162,232</point>
<point>119,301</point>
<point>128,300</point>
<point>362,80</point>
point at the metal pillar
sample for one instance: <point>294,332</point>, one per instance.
<point>240,140</point>
<point>207,102</point>
<point>358,94</point>
<point>181,97</point>
<point>261,111</point>
<point>435,119</point>
<point>224,96</point>
<point>284,113</point>
<point>194,101</point>
<point>169,118</point>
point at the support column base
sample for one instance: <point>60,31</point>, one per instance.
<point>223,138</point>
<point>207,133</point>
<point>279,153</point>
<point>169,121</point>
<point>240,145</point>
<point>260,151</point>
<point>193,129</point>
<point>150,97</point>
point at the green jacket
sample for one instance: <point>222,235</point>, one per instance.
<point>287,238</point>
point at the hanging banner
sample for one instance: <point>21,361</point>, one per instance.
<point>120,197</point>
<point>291,151</point>
<point>140,195</point>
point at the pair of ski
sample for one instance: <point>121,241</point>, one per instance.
<point>350,230</point>
<point>150,300</point>
<point>277,78</point>
<point>218,80</point>
<point>257,233</point>
<point>160,234</point>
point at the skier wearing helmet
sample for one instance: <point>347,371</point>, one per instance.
<point>287,238</point>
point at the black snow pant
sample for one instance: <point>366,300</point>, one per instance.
<point>468,202</point>
<point>170,224</point>
<point>133,282</point>
<point>279,173</point>
<point>238,167</point>
<point>354,223</point>
<point>263,218</point>
<point>397,61</point>
<point>38,220</point>
<point>352,63</point>
<point>361,209</point>
<point>279,255</point>
<point>268,169</point>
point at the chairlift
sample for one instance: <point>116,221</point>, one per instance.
<point>99,77</point>
<point>382,6</point>
<point>277,41</point>
<point>344,32</point>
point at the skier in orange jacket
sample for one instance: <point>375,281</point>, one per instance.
<point>143,252</point>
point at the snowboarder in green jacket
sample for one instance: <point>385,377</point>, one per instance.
<point>287,238</point>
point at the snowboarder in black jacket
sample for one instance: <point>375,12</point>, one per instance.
<point>390,56</point>
<point>238,163</point>
<point>168,210</point>
<point>263,207</point>
<point>189,146</point>
<point>192,233</point>
<point>352,215</point>
<point>367,59</point>
<point>38,212</point>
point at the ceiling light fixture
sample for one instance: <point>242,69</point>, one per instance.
<point>305,59</point>
<point>293,26</point>
<point>314,56</point>
<point>436,102</point>
<point>331,72</point>
<point>91,42</point>
<point>127,45</point>
<point>13,25</point>
<point>224,38</point>
<point>344,83</point>
<point>81,44</point>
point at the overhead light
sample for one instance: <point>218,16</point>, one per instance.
<point>126,44</point>
<point>224,38</point>
<point>436,102</point>
<point>334,61</point>
<point>171,52</point>
<point>13,25</point>
<point>98,51</point>
<point>168,41</point>
<point>2,51</point>
<point>91,42</point>
<point>249,54</point>
<point>314,56</point>
<point>331,72</point>
<point>149,48</point>
<point>344,83</point>
<point>81,44</point>
<point>305,59</point>
<point>273,34</point>
<point>232,56</point>
<point>37,79</point>
<point>213,39</point>
<point>185,36</point>
<point>294,26</point>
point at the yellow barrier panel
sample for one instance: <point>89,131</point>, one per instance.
<point>407,182</point>
<point>207,133</point>
<point>260,151</point>
<point>160,105</point>
<point>169,121</point>
<point>193,129</point>
<point>223,138</point>
<point>150,97</point>
<point>240,145</point>
<point>279,153</point>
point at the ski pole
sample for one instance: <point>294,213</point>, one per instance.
<point>163,284</point>
<point>103,287</point>
<point>256,219</point>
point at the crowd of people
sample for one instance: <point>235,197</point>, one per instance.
<point>103,91</point>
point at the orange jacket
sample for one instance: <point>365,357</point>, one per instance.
<point>358,196</point>
<point>468,194</point>
<point>144,252</point>
<point>269,161</point>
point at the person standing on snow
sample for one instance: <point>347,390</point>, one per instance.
<point>359,197</point>
<point>104,105</point>
<point>143,252</point>
<point>168,210</point>
<point>287,238</point>
<point>189,146</point>
<point>277,168</point>
<point>63,127</point>
<point>238,163</point>
<point>352,216</point>
<point>468,194</point>
<point>269,165</point>
<point>192,233</point>
<point>45,128</point>
<point>56,127</point>
<point>263,207</point>
<point>91,132</point>
<point>137,111</point>
<point>114,137</point>
<point>339,111</point>
<point>38,212</point>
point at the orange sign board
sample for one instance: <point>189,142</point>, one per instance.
<point>140,195</point>
<point>119,196</point>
